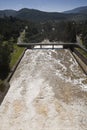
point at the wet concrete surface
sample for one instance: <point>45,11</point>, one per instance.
<point>48,92</point>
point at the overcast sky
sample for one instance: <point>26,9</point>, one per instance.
<point>44,5</point>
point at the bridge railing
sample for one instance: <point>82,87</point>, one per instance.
<point>44,45</point>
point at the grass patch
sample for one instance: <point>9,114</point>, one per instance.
<point>82,52</point>
<point>15,55</point>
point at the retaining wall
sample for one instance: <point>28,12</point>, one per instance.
<point>82,61</point>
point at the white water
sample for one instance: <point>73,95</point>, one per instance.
<point>31,103</point>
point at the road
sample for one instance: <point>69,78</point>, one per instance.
<point>48,92</point>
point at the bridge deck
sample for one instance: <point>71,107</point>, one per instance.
<point>47,45</point>
<point>44,44</point>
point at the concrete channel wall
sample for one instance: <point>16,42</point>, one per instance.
<point>82,61</point>
<point>6,82</point>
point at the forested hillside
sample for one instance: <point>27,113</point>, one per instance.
<point>34,15</point>
<point>10,29</point>
<point>65,31</point>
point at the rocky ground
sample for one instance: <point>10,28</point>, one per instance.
<point>48,92</point>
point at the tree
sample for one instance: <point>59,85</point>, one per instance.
<point>4,59</point>
<point>85,40</point>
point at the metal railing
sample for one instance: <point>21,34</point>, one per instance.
<point>43,45</point>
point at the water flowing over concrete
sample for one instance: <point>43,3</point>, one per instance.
<point>48,92</point>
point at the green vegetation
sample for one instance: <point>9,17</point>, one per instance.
<point>40,16</point>
<point>15,55</point>
<point>9,60</point>
<point>82,52</point>
<point>33,33</point>
<point>65,31</point>
<point>4,59</point>
<point>58,31</point>
<point>10,29</point>
<point>81,29</point>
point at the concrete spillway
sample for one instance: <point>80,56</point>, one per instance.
<point>48,92</point>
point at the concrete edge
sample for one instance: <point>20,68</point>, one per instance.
<point>15,67</point>
<point>6,82</point>
<point>82,65</point>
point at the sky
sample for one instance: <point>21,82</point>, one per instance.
<point>43,5</point>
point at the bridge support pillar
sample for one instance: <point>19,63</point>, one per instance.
<point>71,47</point>
<point>52,46</point>
<point>65,46</point>
<point>30,47</point>
<point>40,46</point>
